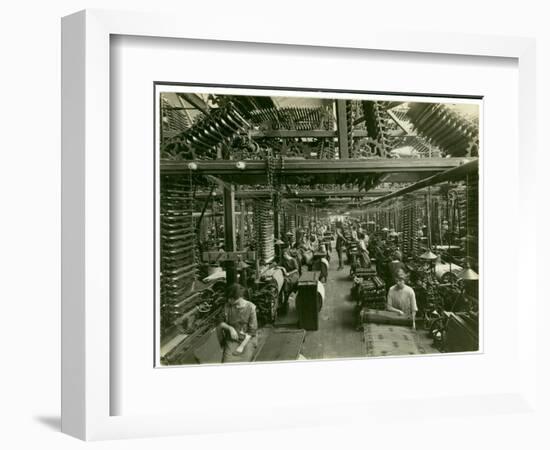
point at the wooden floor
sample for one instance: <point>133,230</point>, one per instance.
<point>336,337</point>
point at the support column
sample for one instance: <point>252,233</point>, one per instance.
<point>242,224</point>
<point>429,218</point>
<point>229,230</point>
<point>315,218</point>
<point>215,221</point>
<point>342,122</point>
<point>276,216</point>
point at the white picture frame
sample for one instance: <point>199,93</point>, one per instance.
<point>86,240</point>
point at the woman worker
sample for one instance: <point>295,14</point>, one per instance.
<point>237,331</point>
<point>395,265</point>
<point>364,258</point>
<point>292,275</point>
<point>401,298</point>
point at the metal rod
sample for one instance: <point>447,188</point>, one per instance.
<point>456,173</point>
<point>204,207</point>
<point>313,166</point>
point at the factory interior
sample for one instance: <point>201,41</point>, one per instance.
<point>292,225</point>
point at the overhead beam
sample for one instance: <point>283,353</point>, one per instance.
<point>336,194</point>
<point>317,193</point>
<point>293,134</point>
<point>293,167</point>
<point>454,174</point>
<point>302,133</point>
<point>331,205</point>
<point>307,172</point>
<point>406,177</point>
<point>216,214</point>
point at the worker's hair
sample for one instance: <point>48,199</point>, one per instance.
<point>235,291</point>
<point>396,255</point>
<point>360,235</point>
<point>400,275</point>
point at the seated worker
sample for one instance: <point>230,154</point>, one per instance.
<point>289,262</point>
<point>297,256</point>
<point>237,331</point>
<point>314,242</point>
<point>401,298</point>
<point>299,237</point>
<point>304,243</point>
<point>292,276</point>
<point>353,233</point>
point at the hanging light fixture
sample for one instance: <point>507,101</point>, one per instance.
<point>241,265</point>
<point>428,256</point>
<point>468,274</point>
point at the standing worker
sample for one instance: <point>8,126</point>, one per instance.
<point>395,265</point>
<point>364,258</point>
<point>340,245</point>
<point>401,298</point>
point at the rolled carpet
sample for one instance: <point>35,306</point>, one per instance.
<point>384,317</point>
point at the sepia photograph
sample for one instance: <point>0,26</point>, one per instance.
<point>296,225</point>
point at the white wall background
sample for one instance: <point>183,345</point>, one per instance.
<point>30,219</point>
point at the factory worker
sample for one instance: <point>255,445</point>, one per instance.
<point>353,233</point>
<point>341,243</point>
<point>366,238</point>
<point>401,298</point>
<point>289,262</point>
<point>292,272</point>
<point>395,265</point>
<point>237,331</point>
<point>363,252</point>
<point>313,242</point>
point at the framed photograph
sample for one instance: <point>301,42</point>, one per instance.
<point>311,204</point>
<point>274,214</point>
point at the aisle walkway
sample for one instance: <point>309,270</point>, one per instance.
<point>336,337</point>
